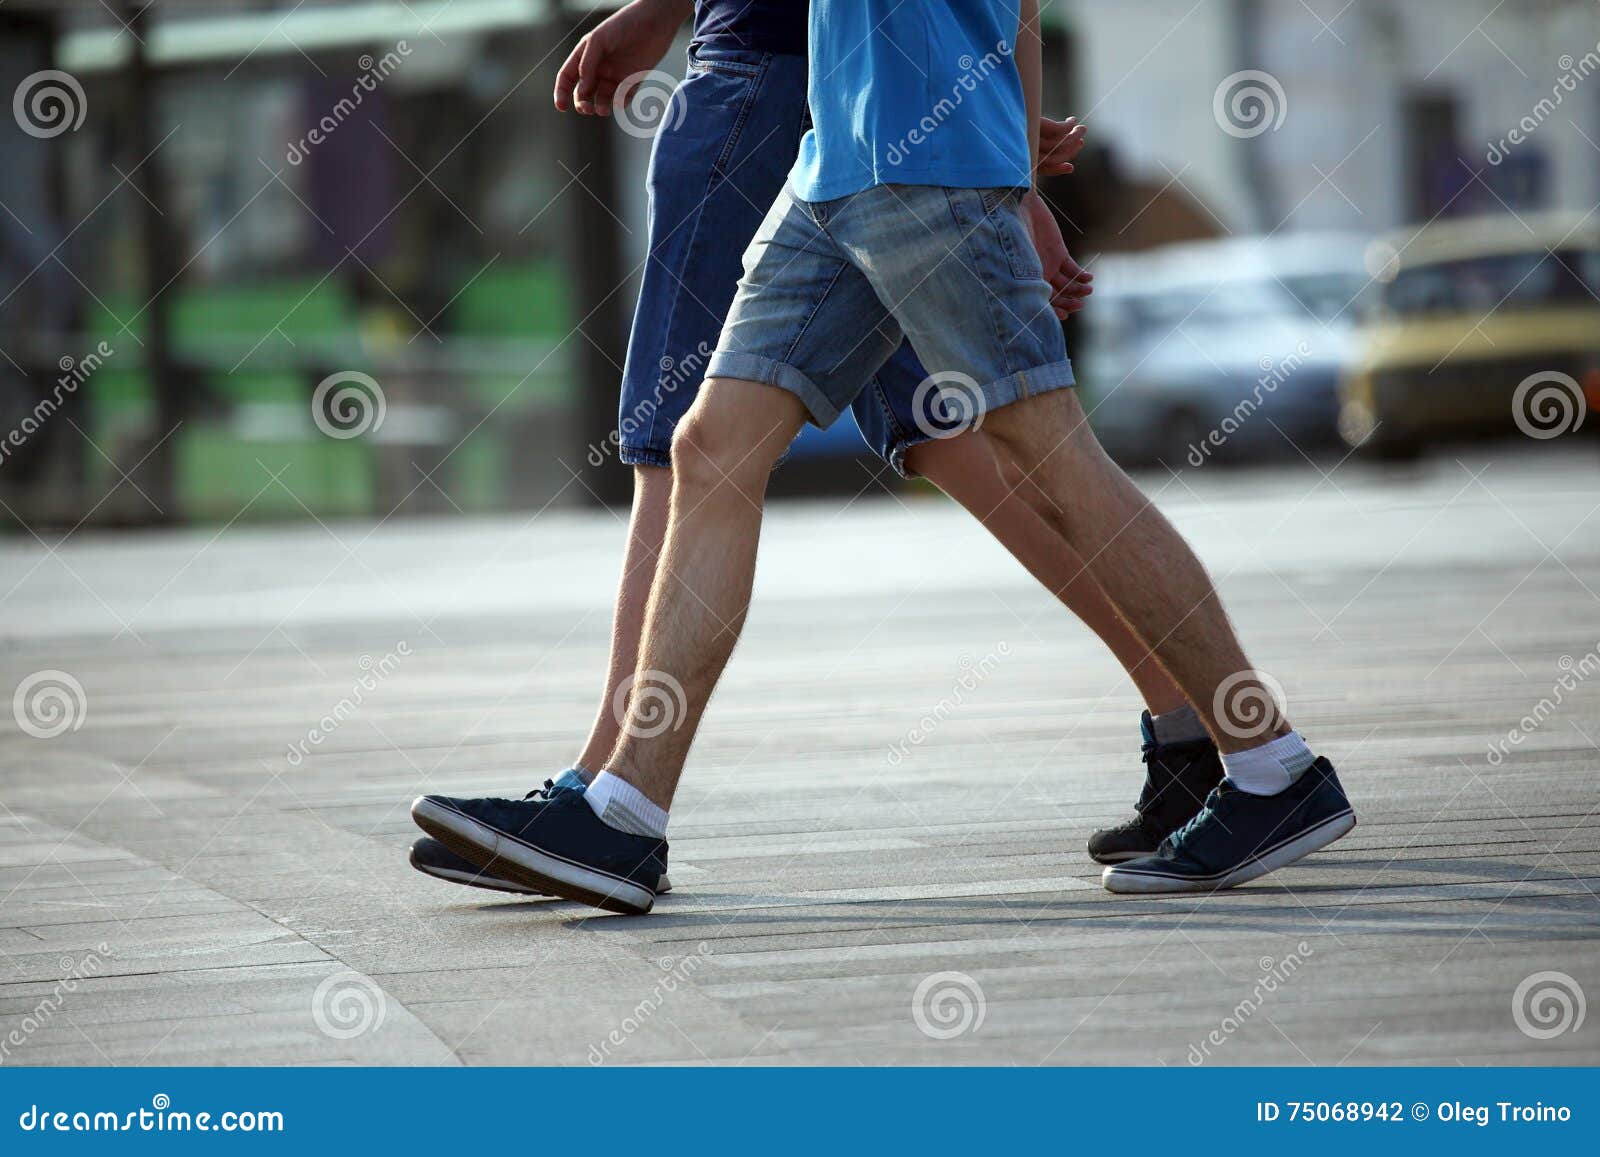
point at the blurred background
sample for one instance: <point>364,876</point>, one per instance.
<point>277,259</point>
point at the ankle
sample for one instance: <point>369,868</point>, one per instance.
<point>621,805</point>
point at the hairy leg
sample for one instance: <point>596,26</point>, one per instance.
<point>647,527</point>
<point>971,470</point>
<point>1142,564</point>
<point>722,456</point>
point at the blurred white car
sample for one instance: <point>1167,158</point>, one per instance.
<point>1221,350</point>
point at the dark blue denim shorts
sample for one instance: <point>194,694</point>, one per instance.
<point>720,159</point>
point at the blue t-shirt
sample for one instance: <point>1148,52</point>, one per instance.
<point>913,92</point>
<point>754,25</point>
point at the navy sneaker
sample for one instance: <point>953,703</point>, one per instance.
<point>1178,778</point>
<point>1238,836</point>
<point>432,858</point>
<point>553,844</point>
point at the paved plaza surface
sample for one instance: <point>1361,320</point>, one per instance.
<point>878,849</point>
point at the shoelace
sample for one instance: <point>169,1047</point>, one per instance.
<point>542,792</point>
<point>1206,809</point>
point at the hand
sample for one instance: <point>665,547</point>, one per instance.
<point>1059,143</point>
<point>629,42</point>
<point>1069,282</point>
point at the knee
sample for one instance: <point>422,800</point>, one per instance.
<point>711,448</point>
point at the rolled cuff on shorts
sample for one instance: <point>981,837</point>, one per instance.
<point>755,368</point>
<point>1014,388</point>
<point>643,456</point>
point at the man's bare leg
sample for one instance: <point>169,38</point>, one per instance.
<point>723,453</point>
<point>647,529</point>
<point>1143,565</point>
<point>969,470</point>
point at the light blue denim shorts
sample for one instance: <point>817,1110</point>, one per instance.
<point>830,289</point>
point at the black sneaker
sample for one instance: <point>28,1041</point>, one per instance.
<point>553,844</point>
<point>432,858</point>
<point>1177,779</point>
<point>1238,837</point>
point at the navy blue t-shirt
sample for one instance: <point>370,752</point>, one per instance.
<point>756,25</point>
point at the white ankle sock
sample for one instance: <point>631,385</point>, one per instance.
<point>622,806</point>
<point>1269,768</point>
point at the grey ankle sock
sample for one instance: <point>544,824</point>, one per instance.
<point>582,773</point>
<point>1178,726</point>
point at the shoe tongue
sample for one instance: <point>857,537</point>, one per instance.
<point>571,780</point>
<point>1147,727</point>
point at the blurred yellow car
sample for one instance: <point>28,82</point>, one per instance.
<point>1483,327</point>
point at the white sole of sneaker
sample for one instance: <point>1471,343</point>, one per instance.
<point>478,880</point>
<point>1144,883</point>
<point>529,866</point>
<point>1120,857</point>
